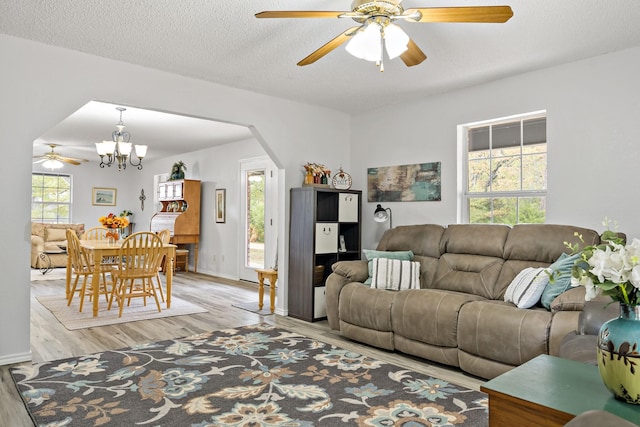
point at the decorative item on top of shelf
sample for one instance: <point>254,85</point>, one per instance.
<point>316,175</point>
<point>177,171</point>
<point>341,180</point>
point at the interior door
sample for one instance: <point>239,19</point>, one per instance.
<point>258,197</point>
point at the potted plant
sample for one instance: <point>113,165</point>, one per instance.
<point>177,170</point>
<point>126,214</point>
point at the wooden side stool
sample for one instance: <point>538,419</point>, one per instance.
<point>182,260</point>
<point>272,277</point>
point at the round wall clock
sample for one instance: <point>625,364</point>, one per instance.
<point>341,180</point>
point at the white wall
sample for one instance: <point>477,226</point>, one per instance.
<point>216,167</point>
<point>41,85</point>
<point>592,130</point>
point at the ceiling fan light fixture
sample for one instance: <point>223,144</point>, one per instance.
<point>366,43</point>
<point>52,164</point>
<point>396,41</point>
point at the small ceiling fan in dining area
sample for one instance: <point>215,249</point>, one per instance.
<point>376,30</point>
<point>53,160</point>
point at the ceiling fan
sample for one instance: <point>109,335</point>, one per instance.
<point>377,32</point>
<point>52,160</point>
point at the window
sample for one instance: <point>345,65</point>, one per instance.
<point>505,170</point>
<point>51,198</point>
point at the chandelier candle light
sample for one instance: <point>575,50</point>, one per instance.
<point>119,148</point>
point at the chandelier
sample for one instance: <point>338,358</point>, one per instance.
<point>119,148</point>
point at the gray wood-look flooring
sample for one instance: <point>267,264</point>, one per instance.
<point>51,341</point>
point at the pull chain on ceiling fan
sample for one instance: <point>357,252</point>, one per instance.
<point>377,31</point>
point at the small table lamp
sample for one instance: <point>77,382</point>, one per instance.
<point>382,215</point>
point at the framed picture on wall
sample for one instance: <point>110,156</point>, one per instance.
<point>103,196</point>
<point>221,205</point>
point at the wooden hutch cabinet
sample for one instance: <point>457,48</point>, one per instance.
<point>325,227</point>
<point>180,212</point>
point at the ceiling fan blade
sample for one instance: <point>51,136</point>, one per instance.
<point>301,14</point>
<point>328,47</point>
<point>413,55</point>
<point>38,161</point>
<point>495,14</point>
<point>70,160</point>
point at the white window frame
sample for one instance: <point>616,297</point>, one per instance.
<point>463,165</point>
<point>70,203</point>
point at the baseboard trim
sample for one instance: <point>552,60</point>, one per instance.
<point>10,359</point>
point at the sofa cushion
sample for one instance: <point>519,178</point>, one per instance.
<point>527,287</point>
<point>371,255</point>
<point>365,307</point>
<point>544,242</point>
<point>395,274</point>
<point>428,315</point>
<point>469,274</point>
<point>498,331</point>
<point>560,278</point>
<point>422,239</point>
<point>55,234</point>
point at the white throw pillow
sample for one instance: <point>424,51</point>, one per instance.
<point>526,288</point>
<point>395,274</point>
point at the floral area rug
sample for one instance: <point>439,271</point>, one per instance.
<point>250,376</point>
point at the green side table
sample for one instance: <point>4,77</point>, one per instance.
<point>550,391</point>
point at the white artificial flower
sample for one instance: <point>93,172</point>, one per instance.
<point>600,264</point>
<point>634,278</point>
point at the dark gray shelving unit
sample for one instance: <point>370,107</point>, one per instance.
<point>319,217</point>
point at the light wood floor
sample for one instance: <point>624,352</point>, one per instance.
<point>50,340</point>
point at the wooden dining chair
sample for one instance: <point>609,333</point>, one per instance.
<point>139,259</point>
<point>82,265</point>
<point>95,233</point>
<point>99,233</point>
<point>165,236</point>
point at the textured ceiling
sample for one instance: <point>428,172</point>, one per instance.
<point>221,41</point>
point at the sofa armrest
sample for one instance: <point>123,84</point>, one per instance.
<point>571,300</point>
<point>355,271</point>
<point>343,272</point>
<point>594,314</point>
<point>37,247</point>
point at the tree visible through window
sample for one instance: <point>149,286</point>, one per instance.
<point>506,165</point>
<point>51,198</point>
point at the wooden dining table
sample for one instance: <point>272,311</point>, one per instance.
<point>98,249</point>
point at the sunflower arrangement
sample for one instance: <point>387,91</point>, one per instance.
<point>113,221</point>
